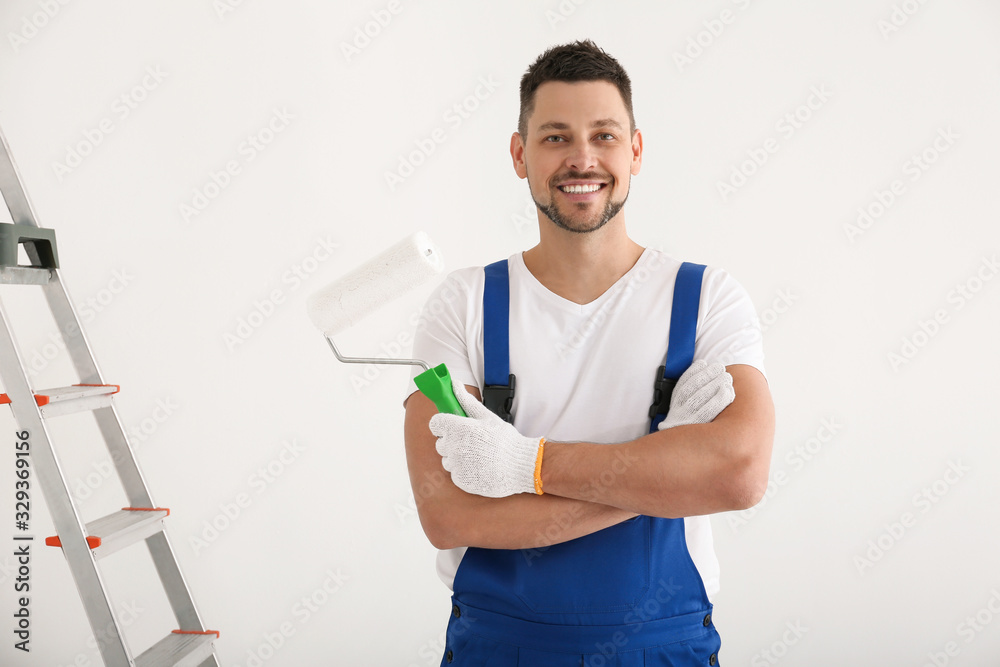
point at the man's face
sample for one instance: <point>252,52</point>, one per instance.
<point>578,155</point>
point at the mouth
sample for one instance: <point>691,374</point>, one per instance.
<point>581,188</point>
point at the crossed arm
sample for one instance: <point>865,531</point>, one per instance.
<point>682,471</point>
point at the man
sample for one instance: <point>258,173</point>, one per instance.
<point>590,545</point>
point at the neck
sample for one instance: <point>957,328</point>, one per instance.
<point>581,267</point>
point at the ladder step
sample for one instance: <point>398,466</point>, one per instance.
<point>179,649</point>
<point>120,529</point>
<point>75,398</point>
<point>24,275</point>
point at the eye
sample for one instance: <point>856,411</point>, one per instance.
<point>606,136</point>
<point>553,138</point>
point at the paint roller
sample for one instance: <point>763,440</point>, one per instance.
<point>344,303</point>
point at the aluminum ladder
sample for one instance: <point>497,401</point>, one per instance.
<point>84,544</point>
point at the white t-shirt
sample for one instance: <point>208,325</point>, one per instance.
<point>586,372</point>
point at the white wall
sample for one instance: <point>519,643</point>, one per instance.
<point>161,291</point>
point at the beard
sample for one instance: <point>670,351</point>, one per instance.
<point>586,226</point>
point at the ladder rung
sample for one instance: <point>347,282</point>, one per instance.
<point>179,649</point>
<point>120,529</point>
<point>24,275</point>
<point>75,398</point>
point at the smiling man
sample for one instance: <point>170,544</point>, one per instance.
<point>572,528</point>
<point>594,197</point>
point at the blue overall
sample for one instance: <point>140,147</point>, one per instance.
<point>625,596</point>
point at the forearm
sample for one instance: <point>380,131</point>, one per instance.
<point>452,518</point>
<point>682,471</point>
<point>672,473</point>
<point>523,521</point>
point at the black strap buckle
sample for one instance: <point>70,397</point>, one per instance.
<point>662,391</point>
<point>499,399</point>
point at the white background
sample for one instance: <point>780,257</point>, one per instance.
<point>161,290</point>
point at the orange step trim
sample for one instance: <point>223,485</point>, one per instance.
<point>196,632</point>
<point>92,542</point>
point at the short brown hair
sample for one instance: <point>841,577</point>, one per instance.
<point>577,61</point>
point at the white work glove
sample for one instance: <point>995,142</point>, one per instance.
<point>484,454</point>
<point>701,393</point>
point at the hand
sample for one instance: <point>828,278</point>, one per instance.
<point>484,454</point>
<point>701,393</point>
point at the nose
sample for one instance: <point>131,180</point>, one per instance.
<point>581,157</point>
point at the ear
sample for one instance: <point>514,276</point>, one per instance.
<point>636,152</point>
<point>517,155</point>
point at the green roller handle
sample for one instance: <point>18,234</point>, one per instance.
<point>436,385</point>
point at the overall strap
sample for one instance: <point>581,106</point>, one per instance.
<point>680,343</point>
<point>498,392</point>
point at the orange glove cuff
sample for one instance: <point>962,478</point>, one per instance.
<point>538,467</point>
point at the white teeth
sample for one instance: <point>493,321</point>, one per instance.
<point>580,189</point>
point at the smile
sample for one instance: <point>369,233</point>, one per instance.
<point>581,189</point>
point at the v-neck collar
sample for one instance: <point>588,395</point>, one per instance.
<point>519,266</point>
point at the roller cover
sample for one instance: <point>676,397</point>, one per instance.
<point>344,303</point>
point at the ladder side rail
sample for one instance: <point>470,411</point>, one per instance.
<point>69,324</point>
<point>107,418</point>
<point>11,185</point>
<point>65,518</point>
<point>174,583</point>
<point>132,480</point>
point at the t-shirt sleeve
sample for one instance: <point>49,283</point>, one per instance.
<point>728,327</point>
<point>447,330</point>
